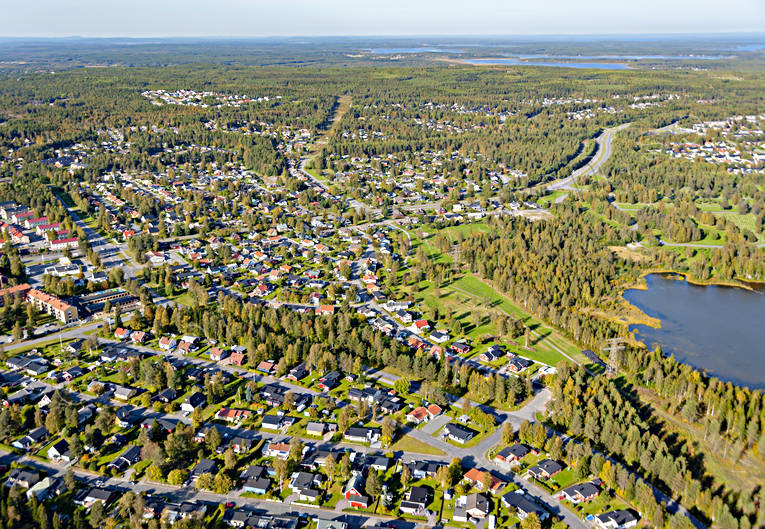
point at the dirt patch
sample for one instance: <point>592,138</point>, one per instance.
<point>630,254</point>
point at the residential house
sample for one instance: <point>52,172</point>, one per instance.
<point>47,488</point>
<point>59,452</point>
<point>123,392</point>
<point>579,493</point>
<point>329,381</point>
<point>217,354</point>
<point>518,364</point>
<point>457,433</point>
<point>241,445</point>
<point>524,505</point>
<point>277,449</point>
<point>361,434</point>
<point>121,333</point>
<point>315,428</point>
<point>354,492</point>
<point>237,358</point>
<point>129,457</point>
<point>22,477</point>
<point>621,519</point>
<point>476,478</point>
<point>475,506</point>
<point>167,343</point>
<point>511,455</point>
<point>88,497</point>
<point>195,401</point>
<point>424,469</point>
<point>165,396</point>
<point>460,348</point>
<point>305,485</point>
<point>439,336</point>
<point>34,436</point>
<point>232,415</point>
<point>204,466</point>
<point>545,469</point>
<point>272,422</point>
<point>415,501</point>
<point>298,372</point>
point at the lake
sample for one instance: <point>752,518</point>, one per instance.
<point>714,328</point>
<point>413,50</point>
<point>595,65</point>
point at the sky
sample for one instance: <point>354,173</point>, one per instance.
<point>257,18</point>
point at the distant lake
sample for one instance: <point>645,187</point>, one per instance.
<point>623,57</point>
<point>595,65</point>
<point>751,47</point>
<point>413,50</point>
<point>714,328</point>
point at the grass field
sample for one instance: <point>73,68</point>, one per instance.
<point>468,294</point>
<point>410,444</point>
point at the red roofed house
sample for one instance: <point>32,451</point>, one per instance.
<point>417,415</point>
<point>434,410</point>
<point>232,415</point>
<point>236,359</point>
<point>121,334</point>
<point>475,478</point>
<point>325,309</point>
<point>266,367</point>
<point>62,244</point>
<point>420,325</point>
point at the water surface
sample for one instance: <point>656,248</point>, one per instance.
<point>715,328</point>
<point>508,61</point>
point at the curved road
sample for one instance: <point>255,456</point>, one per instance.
<point>591,167</point>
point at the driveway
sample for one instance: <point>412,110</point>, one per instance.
<point>432,426</point>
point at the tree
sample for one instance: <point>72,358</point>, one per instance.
<point>177,476</point>
<point>540,435</point>
<point>373,486</point>
<point>406,476</point>
<point>402,385</point>
<point>507,433</point>
<point>388,430</point>
<point>486,480</point>
<point>531,522</point>
<point>69,480</point>
<point>223,484</point>
<point>330,467</point>
<point>443,477</point>
<point>282,470</point>
<point>205,481</point>
<point>212,439</point>
<point>229,458</point>
<point>345,467</point>
<point>97,514</point>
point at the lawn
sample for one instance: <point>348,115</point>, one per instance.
<point>410,444</point>
<point>564,478</point>
<point>468,294</point>
<point>603,503</point>
<point>744,222</point>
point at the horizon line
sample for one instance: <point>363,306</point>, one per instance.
<point>728,33</point>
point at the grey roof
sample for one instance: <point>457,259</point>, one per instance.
<point>620,517</point>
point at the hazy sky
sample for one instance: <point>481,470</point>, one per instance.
<point>151,18</point>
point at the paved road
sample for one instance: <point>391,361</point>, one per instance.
<point>180,494</point>
<point>592,167</point>
<point>696,245</point>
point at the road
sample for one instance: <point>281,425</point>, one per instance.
<point>591,167</point>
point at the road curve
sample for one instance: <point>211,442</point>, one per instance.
<point>591,167</point>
